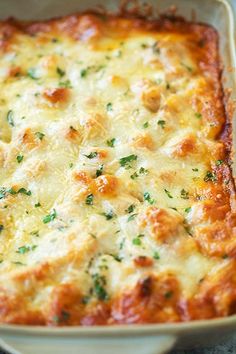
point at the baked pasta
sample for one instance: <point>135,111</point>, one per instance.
<point>117,203</point>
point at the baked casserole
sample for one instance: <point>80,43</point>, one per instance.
<point>117,202</point>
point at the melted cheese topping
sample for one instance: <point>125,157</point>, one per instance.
<point>108,163</point>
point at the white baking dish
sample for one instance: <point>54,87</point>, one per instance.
<point>145,339</point>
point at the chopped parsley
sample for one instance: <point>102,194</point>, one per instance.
<point>156,255</point>
<point>32,74</point>
<point>142,171</point>
<point>184,194</point>
<point>131,217</point>
<point>66,84</point>
<point>18,263</point>
<point>109,107</point>
<point>168,294</point>
<point>162,123</point>
<point>10,118</point>
<point>1,228</point>
<point>137,240</point>
<point>19,158</point>
<point>92,155</point>
<point>109,215</point>
<point>187,210</point>
<point>134,175</point>
<point>145,125</point>
<point>63,317</point>
<point>23,191</point>
<point>155,48</point>
<point>99,287</point>
<point>60,72</point>
<point>187,67</point>
<point>89,199</point>
<point>148,198</point>
<point>195,169</point>
<point>71,164</point>
<point>50,217</point>
<point>37,205</point>
<point>168,193</point>
<point>111,142</point>
<point>83,72</point>
<point>130,208</point>
<point>40,135</point>
<point>25,249</point>
<point>125,161</point>
<point>35,233</point>
<point>219,162</point>
<point>210,176</point>
<point>198,115</point>
<point>4,192</point>
<point>99,171</point>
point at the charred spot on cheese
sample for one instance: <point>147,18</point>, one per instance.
<point>106,184</point>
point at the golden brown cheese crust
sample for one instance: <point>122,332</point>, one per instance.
<point>117,199</point>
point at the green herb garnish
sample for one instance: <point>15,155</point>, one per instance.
<point>92,155</point>
<point>210,176</point>
<point>19,158</point>
<point>40,135</point>
<point>89,199</point>
<point>50,217</point>
<point>168,294</point>
<point>219,162</point>
<point>32,74</point>
<point>124,161</point>
<point>131,217</point>
<point>109,107</point>
<point>60,72</point>
<point>148,198</point>
<point>109,215</point>
<point>99,287</point>
<point>130,208</point>
<point>168,193</point>
<point>99,171</point>
<point>198,115</point>
<point>162,123</point>
<point>187,210</point>
<point>156,255</point>
<point>137,240</point>
<point>111,142</point>
<point>10,118</point>
<point>66,84</point>
<point>184,194</point>
<point>25,249</point>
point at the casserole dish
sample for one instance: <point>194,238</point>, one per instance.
<point>223,16</point>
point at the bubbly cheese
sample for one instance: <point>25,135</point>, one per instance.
<point>108,155</point>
